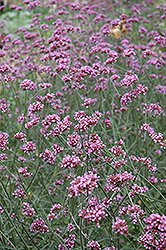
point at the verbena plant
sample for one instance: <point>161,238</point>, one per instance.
<point>82,126</point>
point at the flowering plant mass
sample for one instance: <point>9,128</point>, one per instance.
<point>83,125</point>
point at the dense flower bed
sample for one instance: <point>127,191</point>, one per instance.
<point>82,125</point>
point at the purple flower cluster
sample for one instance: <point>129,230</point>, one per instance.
<point>28,84</point>
<point>69,242</point>
<point>126,98</point>
<point>83,184</point>
<point>134,211</point>
<point>114,182</point>
<point>3,140</point>
<point>21,136</point>
<point>94,245</point>
<point>155,232</point>
<point>120,227</point>
<point>39,226</point>
<point>28,147</point>
<point>137,190</point>
<point>24,173</point>
<point>73,140</point>
<point>157,138</point>
<point>19,193</point>
<point>56,207</point>
<point>129,79</point>
<point>70,161</point>
<point>94,212</point>
<point>94,144</point>
<point>4,106</point>
<point>85,122</point>
<point>27,210</point>
<point>153,107</point>
<point>48,157</point>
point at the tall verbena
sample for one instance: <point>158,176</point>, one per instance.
<point>82,125</point>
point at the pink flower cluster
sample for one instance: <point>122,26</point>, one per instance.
<point>161,89</point>
<point>145,161</point>
<point>35,107</point>
<point>57,149</point>
<point>49,120</point>
<point>157,138</point>
<point>120,227</point>
<point>94,212</point>
<point>126,98</point>
<point>3,140</point>
<point>83,184</point>
<point>60,127</point>
<point>45,85</point>
<point>117,151</point>
<point>129,79</point>
<point>114,182</point>
<point>23,171</point>
<point>28,147</point>
<point>154,236</point>
<point>34,120</point>
<point>32,5</point>
<point>69,242</point>
<point>71,161</point>
<point>27,210</point>
<point>89,101</point>
<point>94,245</point>
<point>39,226</point>
<point>55,208</point>
<point>137,190</point>
<point>134,211</point>
<point>70,227</point>
<point>19,193</point>
<point>28,84</point>
<point>73,140</point>
<point>48,157</point>
<point>153,107</point>
<point>94,144</point>
<point>21,136</point>
<point>85,122</point>
<point>4,106</point>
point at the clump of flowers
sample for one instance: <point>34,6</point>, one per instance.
<point>94,144</point>
<point>54,209</point>
<point>157,138</point>
<point>28,147</point>
<point>114,182</point>
<point>155,232</point>
<point>71,161</point>
<point>120,227</point>
<point>27,210</point>
<point>24,173</point>
<point>48,157</point>
<point>19,193</point>
<point>94,212</point>
<point>85,122</point>
<point>39,226</point>
<point>94,245</point>
<point>134,211</point>
<point>28,84</point>
<point>3,140</point>
<point>83,184</point>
